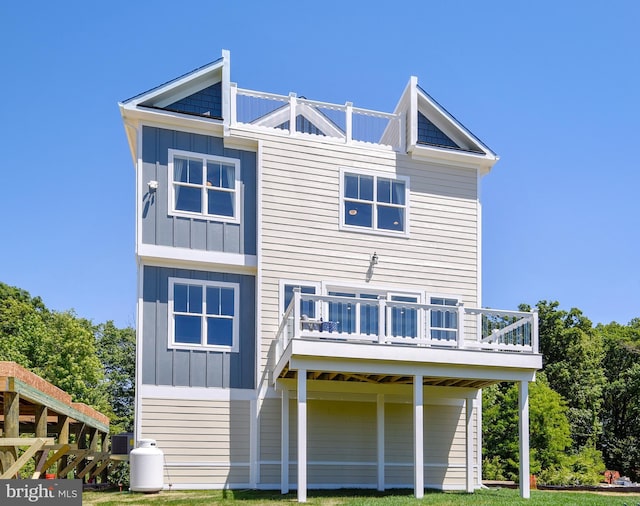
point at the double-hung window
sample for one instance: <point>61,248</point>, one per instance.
<point>374,202</point>
<point>203,314</point>
<point>204,185</point>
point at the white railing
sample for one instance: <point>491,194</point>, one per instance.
<point>296,115</point>
<point>382,321</point>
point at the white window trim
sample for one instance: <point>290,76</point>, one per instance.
<point>204,283</point>
<point>373,230</point>
<point>202,215</point>
<point>283,282</point>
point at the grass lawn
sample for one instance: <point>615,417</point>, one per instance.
<point>492,497</point>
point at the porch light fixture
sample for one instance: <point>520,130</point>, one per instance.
<point>374,259</point>
<point>153,186</point>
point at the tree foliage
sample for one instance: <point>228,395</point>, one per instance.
<point>94,364</point>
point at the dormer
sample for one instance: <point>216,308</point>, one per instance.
<point>200,95</point>
<point>433,133</point>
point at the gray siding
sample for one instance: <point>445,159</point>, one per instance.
<point>197,368</point>
<point>159,228</point>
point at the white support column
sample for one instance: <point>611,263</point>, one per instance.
<point>418,437</point>
<point>284,442</point>
<point>302,435</point>
<point>380,434</point>
<point>469,413</point>
<point>523,407</point>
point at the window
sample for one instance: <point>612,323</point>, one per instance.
<point>444,322</point>
<point>374,202</point>
<point>203,313</point>
<point>307,307</point>
<point>204,185</point>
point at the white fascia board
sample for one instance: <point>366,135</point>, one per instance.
<point>167,256</point>
<point>196,393</point>
<point>374,359</point>
<point>453,157</point>
<point>172,120</point>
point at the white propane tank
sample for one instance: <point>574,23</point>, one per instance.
<point>147,467</point>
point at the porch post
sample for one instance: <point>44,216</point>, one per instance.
<point>469,413</point>
<point>523,407</point>
<point>284,442</point>
<point>418,437</point>
<point>302,435</point>
<point>380,431</point>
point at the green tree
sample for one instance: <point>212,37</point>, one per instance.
<point>116,350</point>
<point>549,437</point>
<point>620,440</point>
<point>58,346</point>
<point>572,361</point>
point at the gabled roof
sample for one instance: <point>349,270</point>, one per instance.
<point>180,87</point>
<point>433,132</point>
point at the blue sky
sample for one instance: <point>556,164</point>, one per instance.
<point>552,87</point>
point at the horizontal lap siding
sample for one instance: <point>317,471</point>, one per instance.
<point>342,444</point>
<point>204,442</point>
<point>300,225</point>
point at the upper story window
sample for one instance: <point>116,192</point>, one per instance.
<point>204,185</point>
<point>374,202</point>
<point>203,314</point>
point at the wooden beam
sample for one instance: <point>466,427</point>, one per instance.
<point>80,454</point>
<point>95,459</point>
<point>61,452</point>
<point>40,465</point>
<point>17,465</point>
<point>11,412</point>
<point>102,467</point>
<point>23,441</point>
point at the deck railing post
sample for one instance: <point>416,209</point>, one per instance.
<point>293,101</point>
<point>460,336</point>
<point>349,122</point>
<point>233,104</point>
<point>382,304</point>
<point>296,313</point>
<point>534,331</point>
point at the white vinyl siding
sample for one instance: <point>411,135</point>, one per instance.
<point>204,442</point>
<point>302,216</point>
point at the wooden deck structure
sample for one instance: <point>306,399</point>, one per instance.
<point>39,421</point>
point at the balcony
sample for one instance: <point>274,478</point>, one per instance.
<point>379,339</point>
<point>293,115</point>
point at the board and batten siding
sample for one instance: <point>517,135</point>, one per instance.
<point>162,365</point>
<point>162,229</point>
<point>205,442</point>
<point>342,444</point>
<point>300,225</point>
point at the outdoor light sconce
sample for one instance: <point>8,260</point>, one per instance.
<point>374,259</point>
<point>153,186</point>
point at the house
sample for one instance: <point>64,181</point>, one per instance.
<point>309,291</point>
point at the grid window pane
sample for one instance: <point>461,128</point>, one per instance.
<point>188,329</point>
<point>220,203</point>
<point>188,199</point>
<point>226,302</point>
<point>213,300</point>
<point>351,186</point>
<point>391,218</point>
<point>358,214</point>
<point>220,331</point>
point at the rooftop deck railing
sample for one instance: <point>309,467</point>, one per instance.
<point>382,321</point>
<point>296,115</point>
